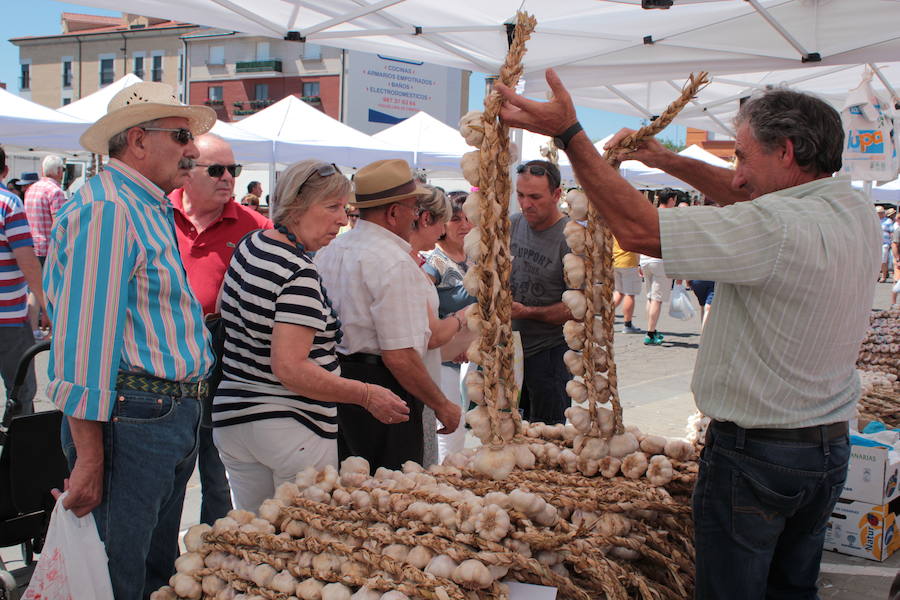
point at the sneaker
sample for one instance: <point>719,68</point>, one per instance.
<point>631,329</point>
<point>655,340</point>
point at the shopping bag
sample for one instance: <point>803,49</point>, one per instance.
<point>73,563</point>
<point>680,306</point>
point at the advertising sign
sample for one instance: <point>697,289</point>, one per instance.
<point>380,91</point>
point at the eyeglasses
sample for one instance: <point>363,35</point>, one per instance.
<point>215,171</point>
<point>539,170</point>
<point>324,170</point>
<point>181,135</point>
<point>352,215</point>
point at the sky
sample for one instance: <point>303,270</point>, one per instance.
<point>42,17</point>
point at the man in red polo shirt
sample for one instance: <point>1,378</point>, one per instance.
<point>209,224</point>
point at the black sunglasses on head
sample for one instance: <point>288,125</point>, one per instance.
<point>539,170</point>
<point>181,135</point>
<point>215,171</point>
<point>324,170</point>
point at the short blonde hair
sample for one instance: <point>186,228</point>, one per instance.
<point>300,186</point>
<point>437,204</point>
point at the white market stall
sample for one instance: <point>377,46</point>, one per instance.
<point>435,145</point>
<point>28,125</point>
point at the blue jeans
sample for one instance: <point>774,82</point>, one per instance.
<point>149,448</point>
<point>760,512</point>
<point>544,395</point>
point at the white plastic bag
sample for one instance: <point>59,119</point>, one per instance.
<point>73,563</point>
<point>680,306</point>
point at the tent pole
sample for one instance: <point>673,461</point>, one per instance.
<point>790,39</point>
<point>884,81</point>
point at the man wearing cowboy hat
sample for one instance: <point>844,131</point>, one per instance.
<point>377,290</point>
<point>130,352</point>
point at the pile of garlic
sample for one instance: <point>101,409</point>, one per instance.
<point>880,350</point>
<point>446,533</point>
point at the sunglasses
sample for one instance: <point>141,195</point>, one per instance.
<point>352,215</point>
<point>538,170</point>
<point>216,171</point>
<point>181,135</point>
<point>324,170</point>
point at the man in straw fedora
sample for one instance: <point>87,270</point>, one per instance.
<point>377,290</point>
<point>130,352</point>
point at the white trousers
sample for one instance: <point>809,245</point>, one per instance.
<point>456,441</point>
<point>261,455</point>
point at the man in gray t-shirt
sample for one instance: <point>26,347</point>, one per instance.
<point>537,244</point>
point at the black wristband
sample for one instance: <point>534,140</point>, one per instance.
<point>562,140</point>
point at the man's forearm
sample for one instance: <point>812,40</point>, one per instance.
<point>556,314</point>
<point>88,438</point>
<point>713,182</point>
<point>407,367</point>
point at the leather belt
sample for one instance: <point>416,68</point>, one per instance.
<point>147,383</point>
<point>812,434</point>
<point>362,357</point>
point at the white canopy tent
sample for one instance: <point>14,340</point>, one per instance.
<point>435,145</point>
<point>93,106</point>
<point>300,131</point>
<point>25,124</point>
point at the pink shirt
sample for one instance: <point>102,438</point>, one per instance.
<point>42,200</point>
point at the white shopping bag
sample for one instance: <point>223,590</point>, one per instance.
<point>73,563</point>
<point>680,306</point>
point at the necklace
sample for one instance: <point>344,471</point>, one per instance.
<point>338,334</point>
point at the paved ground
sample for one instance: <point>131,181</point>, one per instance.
<point>655,392</point>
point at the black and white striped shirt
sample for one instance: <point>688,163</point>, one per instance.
<point>270,282</point>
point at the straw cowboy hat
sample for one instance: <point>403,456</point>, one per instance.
<point>141,102</point>
<point>385,181</point>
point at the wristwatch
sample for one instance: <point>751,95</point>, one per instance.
<point>562,140</point>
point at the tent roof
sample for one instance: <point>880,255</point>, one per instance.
<point>93,106</point>
<point>615,40</point>
<point>26,124</point>
<point>436,145</point>
<point>301,131</point>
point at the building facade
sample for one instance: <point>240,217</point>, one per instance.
<point>238,74</point>
<point>93,51</point>
<point>717,144</point>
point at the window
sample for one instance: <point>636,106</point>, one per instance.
<point>311,89</point>
<point>312,52</point>
<point>67,101</point>
<point>67,72</point>
<point>139,65</point>
<point>215,93</point>
<point>217,55</point>
<point>262,91</point>
<point>107,70</point>
<point>262,50</point>
<point>157,72</point>
<point>25,79</point>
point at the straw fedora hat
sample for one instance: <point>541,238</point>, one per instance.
<point>385,181</point>
<point>141,102</point>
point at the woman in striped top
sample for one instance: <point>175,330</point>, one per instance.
<point>274,413</point>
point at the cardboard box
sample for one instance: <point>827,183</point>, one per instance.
<point>863,529</point>
<point>871,477</point>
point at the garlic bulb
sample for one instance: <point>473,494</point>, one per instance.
<point>441,566</point>
<point>474,320</point>
<point>525,458</point>
<point>212,585</point>
<point>270,510</point>
<point>568,461</point>
<point>575,302</point>
<point>365,593</point>
<point>398,551</point>
<point>475,386</point>
<point>579,417</point>
<point>634,465</point>
<point>574,233</point>
<point>578,205</point>
<point>224,524</point>
<point>472,208</point>
<point>492,522</point>
<point>574,362</point>
<point>479,420</point>
<point>164,593</point>
<point>573,270</point>
<point>336,591</point>
<point>471,127</point>
<point>472,574</point>
<point>653,444</point>
<point>472,244</point>
<point>679,450</point>
<point>419,557</point>
<point>573,331</point>
<point>622,445</point>
<point>577,391</point>
<point>471,279</point>
<point>526,502</point>
<point>310,589</point>
<point>659,471</point>
<point>394,595</point>
<point>495,463</point>
<point>263,575</point>
<point>594,448</point>
<point>189,562</point>
<point>610,524</point>
<point>326,563</point>
<point>284,582</point>
<point>186,586</point>
<point>193,539</point>
<point>609,466</point>
<point>471,164</point>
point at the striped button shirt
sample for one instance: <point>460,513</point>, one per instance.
<point>118,295</point>
<point>795,278</point>
<point>42,201</point>
<point>269,282</point>
<point>14,233</point>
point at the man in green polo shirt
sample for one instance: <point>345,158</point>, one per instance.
<point>794,253</point>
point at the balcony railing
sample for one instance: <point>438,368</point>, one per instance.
<point>258,66</point>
